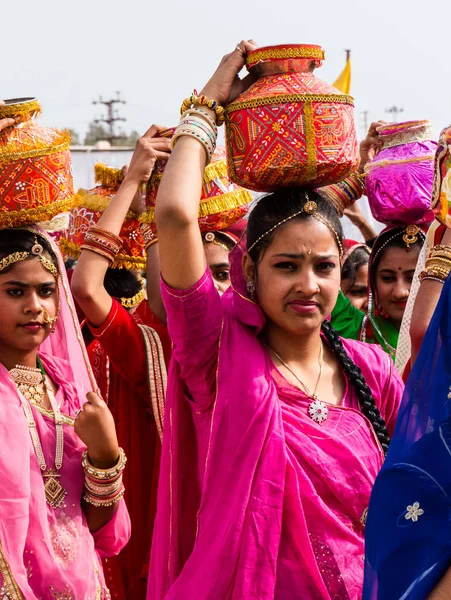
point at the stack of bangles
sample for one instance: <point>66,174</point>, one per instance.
<point>199,123</point>
<point>102,242</point>
<point>346,192</point>
<point>438,264</point>
<point>103,487</point>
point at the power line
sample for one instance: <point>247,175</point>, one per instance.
<point>395,110</point>
<point>112,116</point>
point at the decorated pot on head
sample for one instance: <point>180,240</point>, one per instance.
<point>91,207</point>
<point>289,128</point>
<point>222,203</point>
<point>399,179</point>
<point>441,193</point>
<point>36,181</point>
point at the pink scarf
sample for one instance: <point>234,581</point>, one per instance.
<point>220,518</point>
<point>45,551</point>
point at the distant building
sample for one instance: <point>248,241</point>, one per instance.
<point>85,157</point>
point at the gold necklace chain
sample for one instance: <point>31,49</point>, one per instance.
<point>313,396</point>
<point>54,491</point>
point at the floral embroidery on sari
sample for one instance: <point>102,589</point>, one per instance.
<point>65,539</point>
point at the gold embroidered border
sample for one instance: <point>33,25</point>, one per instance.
<point>256,56</point>
<point>156,373</point>
<point>384,163</point>
<point>122,261</point>
<point>12,152</point>
<point>9,582</point>
<point>17,110</point>
<point>284,98</point>
<point>213,206</point>
<point>109,176</point>
<point>398,138</point>
<point>15,218</point>
<point>98,203</point>
<point>310,146</point>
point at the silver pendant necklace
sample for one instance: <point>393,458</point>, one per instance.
<point>317,409</point>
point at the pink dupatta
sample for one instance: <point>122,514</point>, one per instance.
<point>224,481</point>
<point>42,547</point>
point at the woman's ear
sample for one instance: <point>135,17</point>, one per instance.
<point>248,268</point>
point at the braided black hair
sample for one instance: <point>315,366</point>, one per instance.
<point>268,212</point>
<point>355,376</point>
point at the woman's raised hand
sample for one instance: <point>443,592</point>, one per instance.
<point>149,148</point>
<point>4,123</point>
<point>371,145</point>
<point>94,425</point>
<point>225,84</point>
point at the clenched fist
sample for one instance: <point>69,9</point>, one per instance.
<point>94,425</point>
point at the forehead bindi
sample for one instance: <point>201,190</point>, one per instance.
<point>399,260</point>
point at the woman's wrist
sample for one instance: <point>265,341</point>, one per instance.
<point>104,460</point>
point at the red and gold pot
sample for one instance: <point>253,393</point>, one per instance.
<point>91,207</point>
<point>36,181</point>
<point>289,128</point>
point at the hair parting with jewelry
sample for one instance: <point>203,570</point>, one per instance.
<point>268,217</point>
<point>394,238</point>
<point>16,241</point>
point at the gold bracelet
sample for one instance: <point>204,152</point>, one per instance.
<point>103,474</point>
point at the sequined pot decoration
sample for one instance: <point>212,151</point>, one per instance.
<point>92,204</point>
<point>36,181</point>
<point>222,203</point>
<point>289,128</point>
<point>399,179</point>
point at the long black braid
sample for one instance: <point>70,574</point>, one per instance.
<point>355,376</point>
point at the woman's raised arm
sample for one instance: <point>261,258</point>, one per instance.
<point>182,255</point>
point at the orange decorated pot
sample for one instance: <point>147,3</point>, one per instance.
<point>222,203</point>
<point>35,167</point>
<point>91,207</point>
<point>290,128</point>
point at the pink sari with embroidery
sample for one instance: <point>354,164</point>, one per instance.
<point>48,553</point>
<point>256,501</point>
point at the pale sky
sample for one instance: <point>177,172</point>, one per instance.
<point>156,52</point>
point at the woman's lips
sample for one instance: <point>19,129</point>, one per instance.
<point>304,306</point>
<point>400,303</point>
<point>33,327</point>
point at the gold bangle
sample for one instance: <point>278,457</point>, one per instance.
<point>103,474</point>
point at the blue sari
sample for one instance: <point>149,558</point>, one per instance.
<point>408,529</point>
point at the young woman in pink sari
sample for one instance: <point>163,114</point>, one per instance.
<point>275,428</point>
<point>61,478</point>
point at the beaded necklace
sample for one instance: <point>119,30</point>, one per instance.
<point>54,491</point>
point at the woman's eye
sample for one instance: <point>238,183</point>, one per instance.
<point>285,266</point>
<point>15,292</point>
<point>387,278</point>
<point>47,291</point>
<point>358,293</point>
<point>326,266</point>
<point>222,275</point>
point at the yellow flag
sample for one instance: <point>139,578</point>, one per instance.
<point>343,83</point>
